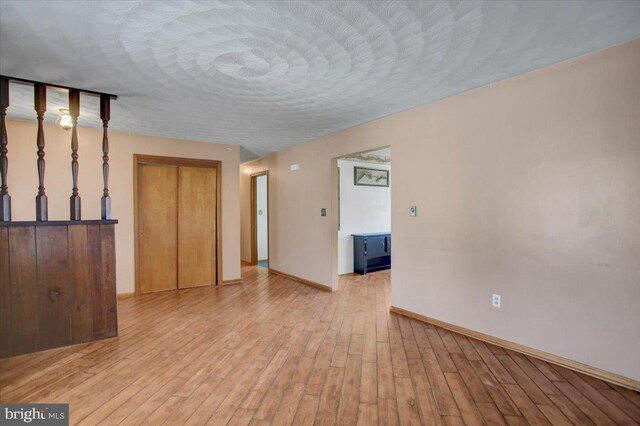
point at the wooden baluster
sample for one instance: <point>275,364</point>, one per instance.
<point>5,198</point>
<point>105,115</point>
<point>40,105</point>
<point>74,111</point>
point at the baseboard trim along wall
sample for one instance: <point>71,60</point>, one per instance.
<point>554,359</point>
<point>232,282</point>
<point>122,296</point>
<point>244,262</point>
<point>301,280</point>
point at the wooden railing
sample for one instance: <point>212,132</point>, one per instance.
<point>5,198</point>
<point>57,278</point>
<point>40,105</point>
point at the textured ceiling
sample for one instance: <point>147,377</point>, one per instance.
<point>267,75</point>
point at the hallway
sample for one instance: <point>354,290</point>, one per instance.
<point>273,351</point>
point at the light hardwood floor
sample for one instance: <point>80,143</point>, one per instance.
<point>273,351</point>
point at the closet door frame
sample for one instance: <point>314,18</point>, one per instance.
<point>140,159</point>
<point>254,216</point>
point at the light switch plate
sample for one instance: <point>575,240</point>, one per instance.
<point>413,211</point>
<point>294,167</point>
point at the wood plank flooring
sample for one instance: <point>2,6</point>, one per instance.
<point>273,351</point>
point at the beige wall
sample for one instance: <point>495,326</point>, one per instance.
<point>529,188</point>
<point>23,183</point>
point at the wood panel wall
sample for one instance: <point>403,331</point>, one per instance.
<point>57,285</point>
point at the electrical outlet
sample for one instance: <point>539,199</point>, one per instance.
<point>496,301</point>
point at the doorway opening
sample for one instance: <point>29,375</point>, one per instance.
<point>177,223</point>
<point>260,219</point>
<point>364,212</point>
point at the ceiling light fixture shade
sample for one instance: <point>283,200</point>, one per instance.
<point>64,120</point>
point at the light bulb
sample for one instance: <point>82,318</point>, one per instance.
<point>64,120</point>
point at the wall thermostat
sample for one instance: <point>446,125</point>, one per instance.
<point>413,211</point>
<point>323,212</point>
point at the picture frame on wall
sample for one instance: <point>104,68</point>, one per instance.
<point>363,176</point>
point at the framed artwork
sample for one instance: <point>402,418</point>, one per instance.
<point>370,177</point>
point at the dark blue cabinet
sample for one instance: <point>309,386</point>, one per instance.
<point>371,252</point>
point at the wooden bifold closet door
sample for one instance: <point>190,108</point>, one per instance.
<point>157,227</point>
<point>176,227</point>
<point>196,227</point>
